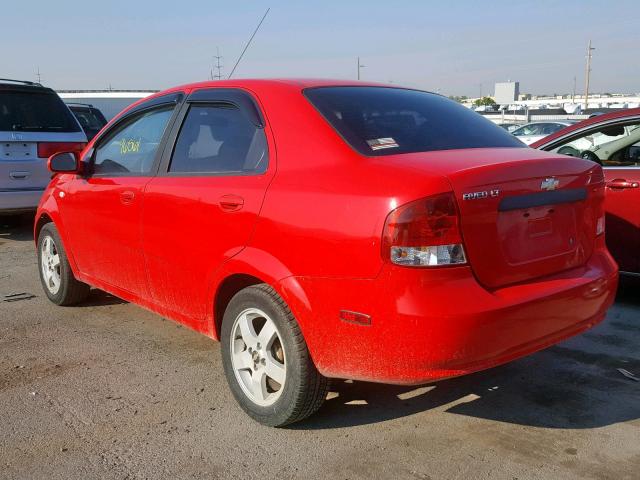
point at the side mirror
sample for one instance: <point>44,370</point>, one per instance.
<point>64,162</point>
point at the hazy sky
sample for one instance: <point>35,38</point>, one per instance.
<point>451,46</point>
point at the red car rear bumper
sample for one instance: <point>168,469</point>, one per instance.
<point>434,324</point>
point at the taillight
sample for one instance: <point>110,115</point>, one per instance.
<point>46,149</point>
<point>424,233</point>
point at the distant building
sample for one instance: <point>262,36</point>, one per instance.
<point>506,92</point>
<point>109,102</point>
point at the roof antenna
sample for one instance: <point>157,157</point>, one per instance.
<point>249,42</point>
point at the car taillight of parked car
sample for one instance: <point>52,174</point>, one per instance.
<point>46,149</point>
<point>424,233</point>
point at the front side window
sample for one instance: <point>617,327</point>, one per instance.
<point>385,121</point>
<point>528,130</point>
<point>611,146</point>
<point>132,147</point>
<point>549,128</point>
<point>219,139</point>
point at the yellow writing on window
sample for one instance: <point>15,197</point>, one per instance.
<point>129,146</point>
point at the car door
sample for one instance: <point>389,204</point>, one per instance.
<point>202,207</point>
<point>616,145</point>
<point>101,210</point>
<point>622,174</point>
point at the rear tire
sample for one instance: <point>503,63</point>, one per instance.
<point>57,279</point>
<point>266,360</point>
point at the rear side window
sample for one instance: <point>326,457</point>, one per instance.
<point>385,121</point>
<point>219,139</point>
<point>132,146</point>
<point>38,111</point>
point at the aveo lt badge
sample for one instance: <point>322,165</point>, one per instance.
<point>478,195</point>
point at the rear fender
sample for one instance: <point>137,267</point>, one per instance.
<point>262,265</point>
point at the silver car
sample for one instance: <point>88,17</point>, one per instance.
<point>534,131</point>
<point>34,124</point>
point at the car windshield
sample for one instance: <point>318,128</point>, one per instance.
<point>35,112</point>
<point>385,121</point>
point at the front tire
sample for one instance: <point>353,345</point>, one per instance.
<point>57,279</point>
<point>266,360</point>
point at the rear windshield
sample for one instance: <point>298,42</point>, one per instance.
<point>385,121</point>
<point>89,118</point>
<point>35,112</point>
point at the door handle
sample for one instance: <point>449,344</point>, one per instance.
<point>19,175</point>
<point>620,183</point>
<point>231,203</point>
<point>127,197</point>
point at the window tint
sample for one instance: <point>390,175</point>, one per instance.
<point>39,111</point>
<point>218,139</point>
<point>386,121</point>
<point>89,118</point>
<point>531,129</point>
<point>549,128</point>
<point>133,146</point>
<point>612,145</point>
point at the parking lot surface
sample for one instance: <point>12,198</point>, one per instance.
<point>108,390</point>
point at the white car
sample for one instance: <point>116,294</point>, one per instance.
<point>34,124</point>
<point>534,131</point>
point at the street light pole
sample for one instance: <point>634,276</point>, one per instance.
<point>588,74</point>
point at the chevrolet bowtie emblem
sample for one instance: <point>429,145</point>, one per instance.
<point>549,184</point>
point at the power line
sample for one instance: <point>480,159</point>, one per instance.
<point>249,42</point>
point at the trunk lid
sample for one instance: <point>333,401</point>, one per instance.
<point>20,166</point>
<point>524,213</point>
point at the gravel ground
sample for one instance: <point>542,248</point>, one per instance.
<point>108,390</point>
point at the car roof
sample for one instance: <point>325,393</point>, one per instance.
<point>295,84</point>
<point>606,117</point>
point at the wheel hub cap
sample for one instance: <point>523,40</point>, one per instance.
<point>50,264</point>
<point>257,357</point>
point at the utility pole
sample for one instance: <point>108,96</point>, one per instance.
<point>218,67</point>
<point>588,74</point>
<point>38,75</point>
<point>359,67</point>
<point>573,95</point>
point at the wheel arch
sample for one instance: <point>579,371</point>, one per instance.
<point>48,213</point>
<point>250,267</point>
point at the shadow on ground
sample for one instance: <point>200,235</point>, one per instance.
<point>98,298</point>
<point>16,227</point>
<point>574,385</point>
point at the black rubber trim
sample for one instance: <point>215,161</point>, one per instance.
<point>28,189</point>
<point>542,198</point>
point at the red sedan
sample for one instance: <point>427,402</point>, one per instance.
<point>327,229</point>
<point>613,141</point>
